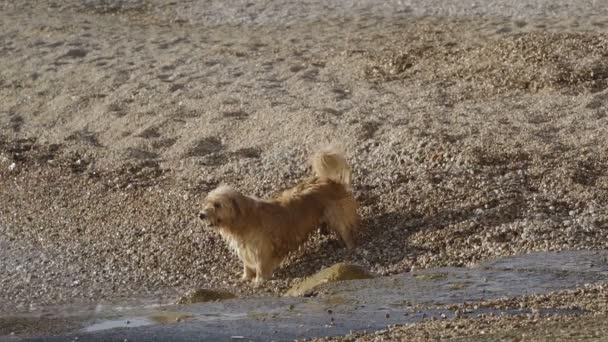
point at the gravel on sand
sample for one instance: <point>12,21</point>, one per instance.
<point>471,135</point>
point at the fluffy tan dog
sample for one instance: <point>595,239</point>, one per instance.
<point>263,232</point>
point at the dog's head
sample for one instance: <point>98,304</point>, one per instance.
<point>221,207</point>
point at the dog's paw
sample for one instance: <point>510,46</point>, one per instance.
<point>259,282</point>
<point>248,273</point>
<point>248,276</point>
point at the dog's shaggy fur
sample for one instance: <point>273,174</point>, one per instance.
<point>263,232</point>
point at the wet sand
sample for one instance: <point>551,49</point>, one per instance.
<point>472,134</point>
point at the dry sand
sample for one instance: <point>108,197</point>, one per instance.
<point>470,136</point>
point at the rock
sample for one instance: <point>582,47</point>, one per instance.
<point>204,295</point>
<point>337,272</point>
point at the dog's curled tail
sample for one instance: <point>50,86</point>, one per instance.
<point>341,213</point>
<point>330,162</point>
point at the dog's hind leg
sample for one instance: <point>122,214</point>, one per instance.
<point>342,217</point>
<point>346,237</point>
<point>323,230</point>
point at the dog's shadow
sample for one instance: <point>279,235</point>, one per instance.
<point>385,239</point>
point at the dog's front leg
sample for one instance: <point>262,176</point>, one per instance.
<point>248,272</point>
<point>262,273</point>
<point>260,279</point>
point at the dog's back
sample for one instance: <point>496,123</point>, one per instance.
<point>329,192</point>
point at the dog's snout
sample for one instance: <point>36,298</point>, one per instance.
<point>202,215</point>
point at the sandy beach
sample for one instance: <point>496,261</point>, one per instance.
<point>475,130</point>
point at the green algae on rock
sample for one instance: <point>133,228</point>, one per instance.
<point>337,272</point>
<point>204,295</point>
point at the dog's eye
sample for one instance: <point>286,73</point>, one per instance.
<point>216,205</point>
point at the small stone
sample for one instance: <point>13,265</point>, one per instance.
<point>204,295</point>
<point>168,317</point>
<point>458,314</point>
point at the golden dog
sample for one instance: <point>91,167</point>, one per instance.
<point>263,232</point>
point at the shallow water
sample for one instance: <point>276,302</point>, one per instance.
<point>120,323</point>
<point>356,305</point>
